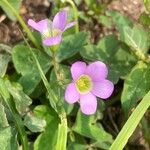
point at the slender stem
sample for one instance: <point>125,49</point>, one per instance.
<point>62,132</point>
<point>141,56</point>
<point>56,69</point>
<point>19,124</point>
<point>75,13</point>
<point>24,26</point>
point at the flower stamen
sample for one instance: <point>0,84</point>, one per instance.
<point>51,33</point>
<point>84,84</point>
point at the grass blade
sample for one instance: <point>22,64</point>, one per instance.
<point>131,124</point>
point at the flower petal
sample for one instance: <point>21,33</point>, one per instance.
<point>52,40</point>
<point>60,20</point>
<point>43,25</point>
<point>69,25</point>
<point>97,71</point>
<point>71,94</point>
<point>88,103</point>
<point>77,69</point>
<point>103,89</point>
<point>33,24</point>
<point>40,26</point>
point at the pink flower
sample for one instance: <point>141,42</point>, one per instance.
<point>88,82</point>
<point>52,31</point>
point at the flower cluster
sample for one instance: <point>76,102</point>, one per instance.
<point>88,82</point>
<point>52,31</point>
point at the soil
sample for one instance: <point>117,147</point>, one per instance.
<point>131,8</point>
<point>39,9</point>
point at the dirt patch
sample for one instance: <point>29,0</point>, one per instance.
<point>131,8</point>
<point>40,9</point>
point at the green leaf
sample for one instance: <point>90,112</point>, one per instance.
<point>15,4</point>
<point>120,20</point>
<point>86,126</point>
<point>136,86</point>
<point>8,139</point>
<point>100,144</point>
<point>3,118</point>
<point>63,76</point>
<point>71,45</point>
<point>68,107</point>
<point>24,64</point>
<point>133,35</point>
<point>147,5</point>
<point>113,53</point>
<point>89,2</point>
<point>4,60</point>
<point>137,38</point>
<point>76,146</point>
<point>105,20</point>
<point>78,142</point>
<point>47,139</point>
<point>3,90</point>
<point>131,124</point>
<point>145,19</point>
<point>5,48</point>
<point>59,93</point>
<point>33,123</point>
<point>58,85</point>
<point>16,117</point>
<point>22,101</point>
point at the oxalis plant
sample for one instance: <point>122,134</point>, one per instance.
<point>62,84</point>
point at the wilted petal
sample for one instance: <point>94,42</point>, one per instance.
<point>52,40</point>
<point>71,94</point>
<point>103,89</point>
<point>60,20</point>
<point>97,71</point>
<point>88,103</point>
<point>69,25</point>
<point>77,69</point>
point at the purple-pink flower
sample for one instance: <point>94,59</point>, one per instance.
<point>88,82</point>
<point>52,31</point>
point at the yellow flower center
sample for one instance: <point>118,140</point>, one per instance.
<point>84,84</point>
<point>51,33</point>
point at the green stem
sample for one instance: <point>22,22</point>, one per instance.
<point>75,13</point>
<point>141,56</point>
<point>24,26</point>
<point>131,124</point>
<point>62,133</point>
<point>62,130</point>
<point>56,68</point>
<point>19,123</point>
